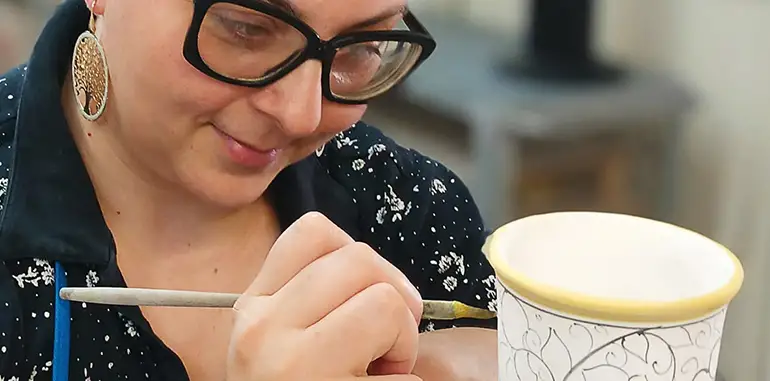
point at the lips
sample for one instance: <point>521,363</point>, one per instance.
<point>245,154</point>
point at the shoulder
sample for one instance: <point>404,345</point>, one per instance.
<point>365,156</point>
<point>417,213</point>
<point>401,184</point>
<point>10,96</point>
<point>407,202</point>
<point>10,93</point>
<point>20,281</point>
<point>363,153</point>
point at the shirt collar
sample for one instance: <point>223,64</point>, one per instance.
<point>51,210</point>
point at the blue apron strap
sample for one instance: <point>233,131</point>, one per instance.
<point>61,334</point>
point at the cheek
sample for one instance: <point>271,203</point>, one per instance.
<point>148,70</point>
<point>179,90</point>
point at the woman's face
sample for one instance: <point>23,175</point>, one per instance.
<point>221,142</point>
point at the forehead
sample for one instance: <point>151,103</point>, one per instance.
<point>338,6</point>
<point>329,15</point>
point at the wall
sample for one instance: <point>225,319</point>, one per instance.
<point>720,49</point>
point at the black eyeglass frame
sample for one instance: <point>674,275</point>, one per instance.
<point>316,48</point>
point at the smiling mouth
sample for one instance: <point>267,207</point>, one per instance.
<point>242,143</point>
<point>245,154</point>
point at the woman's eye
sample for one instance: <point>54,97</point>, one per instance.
<point>243,30</point>
<point>363,52</point>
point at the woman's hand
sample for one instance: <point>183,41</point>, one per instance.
<point>458,354</point>
<point>324,307</point>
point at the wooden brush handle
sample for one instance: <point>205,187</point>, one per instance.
<point>432,309</point>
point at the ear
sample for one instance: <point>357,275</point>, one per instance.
<point>96,6</point>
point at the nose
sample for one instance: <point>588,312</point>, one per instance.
<point>294,101</point>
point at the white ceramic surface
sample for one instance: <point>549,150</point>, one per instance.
<point>603,297</point>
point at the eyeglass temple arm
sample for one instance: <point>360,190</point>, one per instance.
<point>413,23</point>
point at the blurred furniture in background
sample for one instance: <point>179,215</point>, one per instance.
<point>532,141</point>
<point>559,45</point>
<point>602,170</point>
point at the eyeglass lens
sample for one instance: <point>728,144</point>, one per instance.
<point>245,44</point>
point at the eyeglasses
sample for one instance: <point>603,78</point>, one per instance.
<point>253,43</point>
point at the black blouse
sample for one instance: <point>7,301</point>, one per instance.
<point>412,210</point>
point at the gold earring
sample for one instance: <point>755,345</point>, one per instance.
<point>90,77</point>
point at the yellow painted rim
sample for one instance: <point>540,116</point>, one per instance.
<point>608,309</point>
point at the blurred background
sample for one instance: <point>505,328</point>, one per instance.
<point>656,108</point>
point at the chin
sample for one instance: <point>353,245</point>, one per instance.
<point>226,184</point>
<point>235,196</point>
<point>229,191</point>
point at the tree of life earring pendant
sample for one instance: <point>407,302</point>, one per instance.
<point>90,78</point>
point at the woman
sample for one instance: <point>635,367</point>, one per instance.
<point>215,146</point>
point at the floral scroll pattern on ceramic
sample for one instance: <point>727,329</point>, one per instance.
<point>538,345</point>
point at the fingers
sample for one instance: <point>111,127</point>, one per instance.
<point>310,237</point>
<point>375,324</point>
<point>337,299</point>
<point>332,279</point>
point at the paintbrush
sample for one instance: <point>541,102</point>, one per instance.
<point>432,309</point>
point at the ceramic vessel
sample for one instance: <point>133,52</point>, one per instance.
<point>586,296</point>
